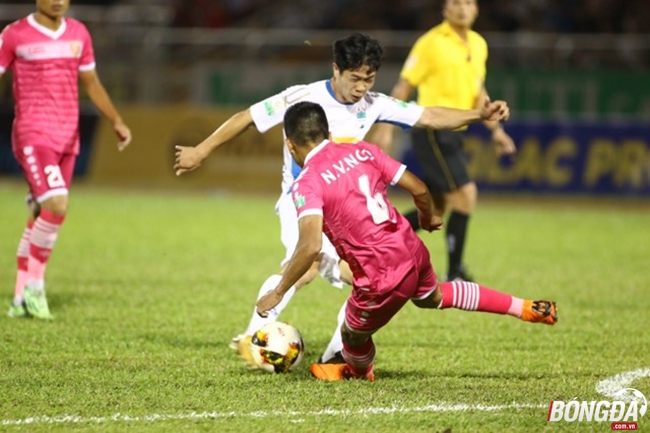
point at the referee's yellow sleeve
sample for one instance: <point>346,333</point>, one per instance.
<point>420,63</point>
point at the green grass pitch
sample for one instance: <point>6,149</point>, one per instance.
<point>149,287</point>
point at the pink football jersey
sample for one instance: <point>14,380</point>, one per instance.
<point>347,185</point>
<point>46,67</point>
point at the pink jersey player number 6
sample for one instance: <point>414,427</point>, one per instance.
<point>376,204</point>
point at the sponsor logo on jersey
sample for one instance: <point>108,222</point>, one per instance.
<point>274,105</point>
<point>269,108</point>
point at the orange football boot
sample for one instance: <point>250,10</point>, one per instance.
<point>540,312</point>
<point>335,372</point>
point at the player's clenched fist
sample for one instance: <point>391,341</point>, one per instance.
<point>187,159</point>
<point>496,111</point>
<point>430,224</point>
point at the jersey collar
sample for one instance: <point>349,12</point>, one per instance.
<point>316,149</point>
<point>446,29</point>
<point>54,34</point>
<point>328,84</point>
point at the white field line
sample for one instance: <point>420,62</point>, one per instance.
<point>612,386</point>
<point>118,417</point>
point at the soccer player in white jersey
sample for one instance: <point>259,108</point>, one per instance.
<point>49,54</point>
<point>343,191</point>
<point>351,110</point>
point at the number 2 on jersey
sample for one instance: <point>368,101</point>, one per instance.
<point>54,176</point>
<point>376,204</point>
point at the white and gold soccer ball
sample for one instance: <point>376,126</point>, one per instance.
<point>277,347</point>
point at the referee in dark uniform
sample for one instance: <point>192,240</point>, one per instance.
<point>447,66</point>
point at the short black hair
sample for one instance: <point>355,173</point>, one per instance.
<point>358,50</point>
<point>306,122</point>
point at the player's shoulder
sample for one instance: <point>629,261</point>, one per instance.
<point>320,84</point>
<point>310,87</point>
<point>318,91</point>
<point>13,27</point>
<point>377,98</point>
<point>75,24</point>
<point>307,175</point>
<point>373,96</point>
<point>299,92</point>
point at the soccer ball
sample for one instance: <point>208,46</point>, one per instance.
<point>277,347</point>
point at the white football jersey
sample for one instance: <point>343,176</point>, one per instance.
<point>348,122</point>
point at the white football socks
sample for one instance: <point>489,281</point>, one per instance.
<point>336,343</point>
<point>257,321</point>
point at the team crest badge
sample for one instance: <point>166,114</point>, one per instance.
<point>75,48</point>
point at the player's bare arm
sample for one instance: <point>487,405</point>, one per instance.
<point>429,221</point>
<point>505,145</point>
<point>452,118</point>
<point>189,158</point>
<point>310,240</point>
<point>98,95</point>
<point>383,132</point>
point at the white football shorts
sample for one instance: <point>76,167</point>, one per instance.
<point>328,269</point>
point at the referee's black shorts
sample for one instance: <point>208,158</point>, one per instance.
<point>441,159</point>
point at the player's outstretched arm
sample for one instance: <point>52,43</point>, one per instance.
<point>383,132</point>
<point>429,221</point>
<point>190,158</point>
<point>452,118</point>
<point>98,95</point>
<point>310,240</point>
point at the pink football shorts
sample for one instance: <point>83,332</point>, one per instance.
<point>368,311</point>
<point>47,172</point>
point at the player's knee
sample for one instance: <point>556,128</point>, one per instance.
<point>470,192</point>
<point>57,205</point>
<point>432,301</point>
<point>346,272</point>
<point>353,338</point>
<point>465,198</point>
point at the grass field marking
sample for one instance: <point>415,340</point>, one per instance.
<point>611,386</point>
<point>440,407</point>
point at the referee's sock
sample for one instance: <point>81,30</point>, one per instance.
<point>456,231</point>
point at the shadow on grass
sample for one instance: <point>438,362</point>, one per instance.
<point>61,301</point>
<point>503,375</point>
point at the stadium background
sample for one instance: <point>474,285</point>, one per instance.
<point>151,280</point>
<point>574,74</point>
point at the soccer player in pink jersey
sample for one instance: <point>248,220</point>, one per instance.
<point>49,54</point>
<point>352,108</point>
<point>342,191</point>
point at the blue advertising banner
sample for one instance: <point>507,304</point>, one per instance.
<point>559,157</point>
